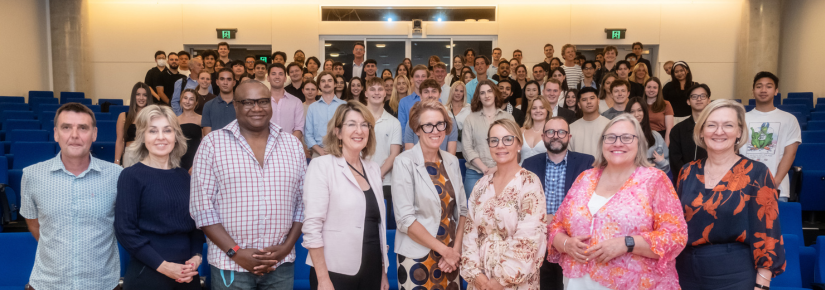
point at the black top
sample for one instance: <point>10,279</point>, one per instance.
<point>130,133</point>
<point>153,77</point>
<point>677,97</point>
<point>167,80</point>
<point>152,219</point>
<point>199,107</point>
<point>292,90</point>
<point>636,89</point>
<point>682,148</point>
<point>372,220</point>
<point>193,135</point>
<point>389,110</point>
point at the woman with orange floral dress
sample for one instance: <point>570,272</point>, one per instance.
<point>730,205</point>
<point>621,225</point>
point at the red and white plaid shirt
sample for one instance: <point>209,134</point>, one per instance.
<point>255,204</point>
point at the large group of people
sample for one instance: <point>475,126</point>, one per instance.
<point>595,154</point>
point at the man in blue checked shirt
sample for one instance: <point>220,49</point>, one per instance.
<point>557,170</point>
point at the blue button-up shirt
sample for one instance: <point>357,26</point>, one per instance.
<point>318,115</point>
<point>190,84</point>
<point>217,113</point>
<point>404,107</point>
<point>554,183</point>
<point>471,88</point>
<point>77,248</point>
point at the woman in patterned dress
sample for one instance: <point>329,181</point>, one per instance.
<point>429,203</point>
<point>621,224</point>
<point>730,204</point>
<point>505,235</point>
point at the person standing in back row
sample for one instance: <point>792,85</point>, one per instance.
<point>153,75</point>
<point>190,82</point>
<point>683,148</point>
<point>676,92</point>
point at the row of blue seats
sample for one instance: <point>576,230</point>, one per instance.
<point>106,129</point>
<point>49,115</point>
<point>44,107</point>
<point>65,97</point>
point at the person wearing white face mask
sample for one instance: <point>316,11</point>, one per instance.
<point>152,77</point>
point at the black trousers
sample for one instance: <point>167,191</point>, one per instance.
<point>719,267</point>
<point>551,276</point>
<point>139,277</point>
<point>390,214</point>
<point>367,278</point>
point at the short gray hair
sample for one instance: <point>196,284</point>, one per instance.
<point>641,148</point>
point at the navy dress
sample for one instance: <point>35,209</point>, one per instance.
<point>737,222</point>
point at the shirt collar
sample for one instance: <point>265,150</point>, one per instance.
<point>563,161</point>
<point>235,129</point>
<point>384,116</point>
<point>334,100</point>
<point>498,111</point>
<point>220,100</point>
<point>57,164</point>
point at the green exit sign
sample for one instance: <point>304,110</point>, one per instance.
<point>615,33</point>
<point>264,58</point>
<point>227,33</point>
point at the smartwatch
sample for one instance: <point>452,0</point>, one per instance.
<point>234,250</point>
<point>630,243</point>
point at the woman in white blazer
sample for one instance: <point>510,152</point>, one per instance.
<point>344,227</point>
<point>430,204</point>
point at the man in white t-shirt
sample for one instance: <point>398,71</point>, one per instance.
<point>587,131</point>
<point>774,134</point>
<point>387,134</point>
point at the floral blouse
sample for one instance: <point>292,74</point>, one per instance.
<point>504,236</point>
<point>646,205</point>
<point>745,200</point>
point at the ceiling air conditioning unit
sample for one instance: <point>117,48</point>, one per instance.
<point>416,23</point>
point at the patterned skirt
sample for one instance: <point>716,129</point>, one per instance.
<point>424,274</point>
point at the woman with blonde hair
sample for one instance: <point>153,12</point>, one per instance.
<point>401,89</point>
<point>160,235</point>
<point>639,74</point>
<point>538,111</point>
<point>458,109</point>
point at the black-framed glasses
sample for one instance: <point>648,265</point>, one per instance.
<point>506,140</point>
<point>428,128</point>
<point>550,133</point>
<point>698,97</point>
<point>249,104</point>
<point>626,138</point>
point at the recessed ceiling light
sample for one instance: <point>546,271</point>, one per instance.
<point>327,44</point>
<point>333,54</point>
<point>381,45</point>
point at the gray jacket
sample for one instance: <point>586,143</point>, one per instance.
<point>415,198</point>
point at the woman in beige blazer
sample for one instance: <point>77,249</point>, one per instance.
<point>429,203</point>
<point>344,226</point>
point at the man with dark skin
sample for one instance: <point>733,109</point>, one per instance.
<point>253,124</point>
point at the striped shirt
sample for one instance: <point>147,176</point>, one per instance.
<point>573,75</point>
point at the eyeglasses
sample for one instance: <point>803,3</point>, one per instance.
<point>695,97</point>
<point>428,128</point>
<point>352,125</point>
<point>626,138</point>
<point>249,104</point>
<point>550,133</point>
<point>250,61</point>
<point>507,140</point>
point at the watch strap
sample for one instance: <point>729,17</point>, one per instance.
<point>760,286</point>
<point>630,243</point>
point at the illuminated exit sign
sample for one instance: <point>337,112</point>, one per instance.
<point>615,33</point>
<point>227,33</point>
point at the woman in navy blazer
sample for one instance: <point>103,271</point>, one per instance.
<point>344,228</point>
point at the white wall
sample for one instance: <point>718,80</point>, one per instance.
<point>801,63</point>
<point>24,47</point>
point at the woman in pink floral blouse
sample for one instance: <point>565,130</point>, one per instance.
<point>621,225</point>
<point>504,236</point>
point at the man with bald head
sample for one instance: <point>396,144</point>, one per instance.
<point>246,195</point>
<point>195,68</point>
<point>219,111</point>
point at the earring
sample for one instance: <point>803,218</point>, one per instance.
<point>340,143</point>
<point>737,140</point>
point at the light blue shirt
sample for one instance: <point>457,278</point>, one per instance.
<point>318,115</point>
<point>471,88</point>
<point>190,84</point>
<point>77,249</point>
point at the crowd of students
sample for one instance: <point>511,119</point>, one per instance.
<point>590,171</point>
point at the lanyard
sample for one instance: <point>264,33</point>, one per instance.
<point>231,278</point>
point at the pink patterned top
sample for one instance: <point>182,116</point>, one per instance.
<point>646,205</point>
<point>504,236</point>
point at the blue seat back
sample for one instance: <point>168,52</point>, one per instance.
<point>816,125</point>
<point>792,277</point>
<point>813,157</point>
<point>103,116</point>
<point>64,96</point>
<point>28,153</point>
<point>818,116</point>
<point>94,108</point>
<point>7,99</point>
<point>15,124</point>
<point>752,102</point>
<point>104,151</point>
<point>118,102</point>
<point>45,107</point>
<point>790,218</point>
<point>34,102</point>
<point>16,263</point>
<point>78,100</point>
<point>116,110</point>
<point>18,115</point>
<point>106,131</point>
<point>4,170</point>
<point>45,116</point>
<point>813,136</point>
<point>749,108</point>
<point>125,258</point>
<point>302,270</point>
<point>14,107</point>
<point>805,95</point>
<point>40,94</point>
<point>809,103</point>
<point>812,190</point>
<point>27,136</point>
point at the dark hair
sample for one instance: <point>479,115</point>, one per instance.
<point>316,60</point>
<point>348,91</point>
<point>223,44</point>
<point>405,67</point>
<point>497,48</point>
<point>209,52</point>
<point>619,82</point>
<point>556,59</point>
<point>575,109</point>
<point>698,86</point>
<point>503,61</point>
<point>539,65</point>
<point>337,63</point>
<point>220,62</point>
<point>172,53</point>
<point>182,53</point>
<point>429,83</point>
<point>275,65</point>
<point>77,108</point>
<point>645,123</point>
<point>689,75</point>
<point>546,45</point>
<point>485,58</point>
<point>236,62</point>
<point>290,65</point>
<point>764,74</point>
<point>519,51</point>
<point>469,50</point>
<point>159,52</point>
<point>629,55</point>
<point>639,44</point>
<point>584,90</point>
<point>312,82</point>
<point>581,56</point>
<point>625,63</point>
<point>258,62</point>
<point>475,104</point>
<point>591,62</point>
<point>563,86</point>
<point>358,44</point>
<point>452,70</point>
<point>370,61</point>
<point>277,53</point>
<point>133,111</point>
<point>382,72</point>
<point>250,56</point>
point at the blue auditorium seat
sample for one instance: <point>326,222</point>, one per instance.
<point>820,107</point>
<point>94,108</point>
<point>19,115</point>
<point>791,278</point>
<point>124,259</point>
<point>790,221</point>
<point>817,115</point>
<point>78,100</point>
<point>64,96</point>
<point>204,270</point>
<point>15,124</point>
<point>392,272</point>
<point>118,102</point>
<point>34,102</point>
<point>27,136</point>
<point>104,150</point>
<point>116,110</point>
<point>41,94</point>
<point>749,108</point>
<point>7,99</point>
<point>15,176</point>
<point>816,125</point>
<point>463,167</point>
<point>4,170</point>
<point>813,136</point>
<point>28,153</point>
<point>809,104</point>
<point>45,108</point>
<point>103,116</point>
<point>106,131</point>
<point>805,95</point>
<point>17,261</point>
<point>752,102</point>
<point>45,116</point>
<point>812,189</point>
<point>14,107</point>
<point>301,268</point>
<point>814,159</point>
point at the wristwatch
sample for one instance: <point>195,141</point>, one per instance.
<point>630,243</point>
<point>233,251</point>
<point>763,287</point>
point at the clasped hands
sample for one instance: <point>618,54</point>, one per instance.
<point>182,273</point>
<point>261,261</point>
<point>450,258</point>
<point>602,252</point>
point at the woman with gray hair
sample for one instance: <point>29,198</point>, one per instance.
<point>152,219</point>
<point>622,216</point>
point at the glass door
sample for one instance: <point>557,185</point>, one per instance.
<point>422,49</point>
<point>388,53</point>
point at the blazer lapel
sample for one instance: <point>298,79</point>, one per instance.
<point>346,170</point>
<point>421,168</point>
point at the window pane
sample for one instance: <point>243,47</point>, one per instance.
<point>339,50</point>
<point>388,54</point>
<point>422,50</point>
<point>481,47</point>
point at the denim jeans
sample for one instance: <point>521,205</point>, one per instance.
<point>282,278</point>
<point>470,181</point>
